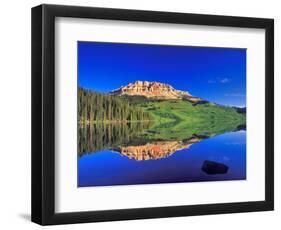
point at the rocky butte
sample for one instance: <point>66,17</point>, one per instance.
<point>154,90</point>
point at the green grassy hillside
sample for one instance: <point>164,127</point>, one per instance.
<point>179,119</point>
<point>110,121</point>
<point>166,119</point>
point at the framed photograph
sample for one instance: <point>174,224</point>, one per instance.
<point>141,114</point>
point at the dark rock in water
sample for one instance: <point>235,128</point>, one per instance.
<point>211,167</point>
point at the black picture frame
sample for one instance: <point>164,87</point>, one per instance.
<point>43,114</point>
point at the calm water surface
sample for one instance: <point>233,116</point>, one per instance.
<point>221,157</point>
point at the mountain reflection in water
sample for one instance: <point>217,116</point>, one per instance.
<point>155,150</point>
<point>96,137</point>
<point>124,154</point>
<point>137,138</point>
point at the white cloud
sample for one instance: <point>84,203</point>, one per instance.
<point>222,80</point>
<point>234,95</point>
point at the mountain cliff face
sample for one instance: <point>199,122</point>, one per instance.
<point>154,90</point>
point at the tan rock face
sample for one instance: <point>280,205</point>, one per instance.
<point>155,90</point>
<point>155,150</point>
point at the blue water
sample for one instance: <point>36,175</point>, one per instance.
<point>110,168</point>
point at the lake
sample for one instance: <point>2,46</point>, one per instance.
<point>123,158</point>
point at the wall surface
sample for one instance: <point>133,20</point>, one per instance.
<point>15,167</point>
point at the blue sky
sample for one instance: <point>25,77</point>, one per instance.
<point>215,74</point>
